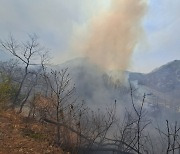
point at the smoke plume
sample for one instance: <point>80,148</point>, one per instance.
<point>113,35</point>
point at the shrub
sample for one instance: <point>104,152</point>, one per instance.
<point>7,91</point>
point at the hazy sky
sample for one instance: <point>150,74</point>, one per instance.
<point>58,22</point>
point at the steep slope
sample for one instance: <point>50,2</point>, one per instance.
<point>19,136</point>
<point>166,78</point>
<point>164,82</point>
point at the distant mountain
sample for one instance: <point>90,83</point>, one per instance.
<point>164,80</point>
<point>95,86</point>
<point>92,83</point>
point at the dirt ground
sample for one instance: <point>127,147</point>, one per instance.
<point>19,135</point>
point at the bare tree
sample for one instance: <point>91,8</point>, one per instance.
<point>130,135</point>
<point>59,106</point>
<point>27,53</point>
<point>62,92</point>
<point>170,138</point>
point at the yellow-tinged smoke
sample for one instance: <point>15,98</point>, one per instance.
<point>113,35</point>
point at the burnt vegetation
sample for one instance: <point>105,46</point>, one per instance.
<point>48,98</point>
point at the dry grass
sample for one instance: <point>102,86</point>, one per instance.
<point>19,135</point>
